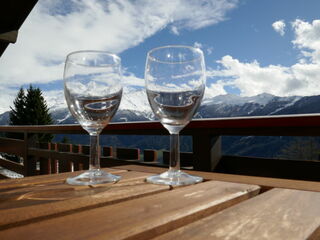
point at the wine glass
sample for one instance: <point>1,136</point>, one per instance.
<point>175,83</point>
<point>93,90</point>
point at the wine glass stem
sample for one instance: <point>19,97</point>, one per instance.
<point>94,152</point>
<point>174,152</point>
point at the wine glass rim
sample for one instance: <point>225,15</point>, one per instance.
<point>175,46</point>
<point>115,56</point>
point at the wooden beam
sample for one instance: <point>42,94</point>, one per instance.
<point>150,155</point>
<point>268,167</point>
<point>207,151</point>
<point>186,158</point>
<point>12,146</point>
<point>45,163</point>
<point>10,37</point>
<point>65,165</point>
<point>12,166</point>
<point>128,153</point>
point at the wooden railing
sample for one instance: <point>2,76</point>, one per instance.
<point>206,143</point>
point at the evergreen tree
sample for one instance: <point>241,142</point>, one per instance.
<point>18,112</point>
<point>31,109</point>
<point>36,110</point>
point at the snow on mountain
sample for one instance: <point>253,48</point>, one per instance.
<point>232,99</point>
<point>291,101</point>
<point>135,107</point>
<point>135,100</point>
<point>55,100</point>
<point>132,99</point>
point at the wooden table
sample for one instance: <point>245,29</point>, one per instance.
<point>222,207</point>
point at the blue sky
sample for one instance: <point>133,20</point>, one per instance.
<point>250,46</point>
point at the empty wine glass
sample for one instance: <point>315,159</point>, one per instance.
<point>93,90</point>
<point>175,83</point>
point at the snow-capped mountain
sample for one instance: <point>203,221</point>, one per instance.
<point>233,106</point>
<point>133,100</point>
<point>135,107</point>
<point>232,99</point>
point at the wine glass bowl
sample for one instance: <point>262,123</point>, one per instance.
<point>175,83</point>
<point>93,90</point>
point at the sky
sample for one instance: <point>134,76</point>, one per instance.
<point>250,46</point>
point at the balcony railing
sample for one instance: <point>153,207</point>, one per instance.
<point>206,144</point>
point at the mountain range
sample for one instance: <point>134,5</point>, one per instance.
<point>134,107</point>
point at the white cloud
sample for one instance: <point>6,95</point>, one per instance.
<point>46,38</point>
<point>203,47</point>
<point>175,30</point>
<point>307,38</point>
<point>279,27</point>
<point>197,45</point>
<point>6,99</point>
<point>215,89</point>
<point>198,14</point>
<point>209,50</point>
<point>55,99</point>
<point>132,80</point>
<point>250,78</point>
<point>55,28</point>
<point>50,33</point>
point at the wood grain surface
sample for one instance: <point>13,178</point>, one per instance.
<point>277,214</point>
<point>37,202</point>
<point>139,218</point>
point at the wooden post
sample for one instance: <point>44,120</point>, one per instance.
<point>85,149</point>
<point>186,158</point>
<point>64,165</point>
<point>150,155</point>
<point>128,153</point>
<point>107,151</point>
<point>29,162</point>
<point>54,162</point>
<point>45,163</point>
<point>207,151</point>
<point>76,164</point>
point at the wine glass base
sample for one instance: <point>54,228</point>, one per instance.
<point>93,177</point>
<point>174,178</point>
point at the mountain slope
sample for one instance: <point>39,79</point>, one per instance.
<point>134,107</point>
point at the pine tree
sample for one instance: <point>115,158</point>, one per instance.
<point>31,109</point>
<point>37,112</point>
<point>18,112</point>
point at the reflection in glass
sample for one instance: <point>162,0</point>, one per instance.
<point>175,83</point>
<point>93,90</point>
